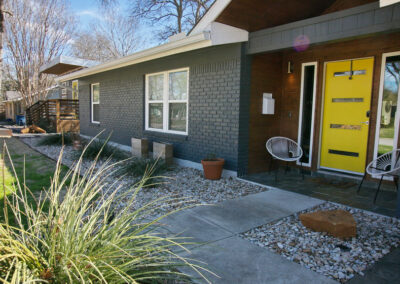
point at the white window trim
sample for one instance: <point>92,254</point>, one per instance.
<point>166,103</point>
<point>379,112</point>
<point>299,132</point>
<point>93,103</point>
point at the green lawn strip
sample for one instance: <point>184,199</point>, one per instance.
<point>382,149</point>
<point>386,132</point>
<point>38,169</point>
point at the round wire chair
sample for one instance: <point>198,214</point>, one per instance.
<point>387,164</point>
<point>283,149</point>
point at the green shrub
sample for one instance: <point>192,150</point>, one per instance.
<point>139,167</point>
<point>79,238</point>
<point>100,148</point>
<point>56,139</point>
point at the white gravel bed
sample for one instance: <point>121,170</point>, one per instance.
<point>336,258</point>
<point>186,185</point>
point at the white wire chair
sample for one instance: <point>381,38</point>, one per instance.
<point>385,165</point>
<point>283,149</point>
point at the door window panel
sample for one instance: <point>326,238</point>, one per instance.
<point>386,141</point>
<point>307,112</point>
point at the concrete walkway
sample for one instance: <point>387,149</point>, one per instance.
<point>233,259</point>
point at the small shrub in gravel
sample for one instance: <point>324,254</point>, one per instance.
<point>100,148</point>
<point>57,139</point>
<point>139,167</point>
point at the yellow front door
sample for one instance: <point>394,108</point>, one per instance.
<point>348,86</point>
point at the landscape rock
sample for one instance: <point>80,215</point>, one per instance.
<point>338,223</point>
<point>339,259</point>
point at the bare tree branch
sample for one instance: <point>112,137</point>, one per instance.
<point>35,33</point>
<point>173,16</point>
<point>113,38</point>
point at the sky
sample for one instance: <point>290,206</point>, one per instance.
<point>90,11</point>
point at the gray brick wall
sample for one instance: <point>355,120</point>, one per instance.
<point>214,101</point>
<point>244,112</point>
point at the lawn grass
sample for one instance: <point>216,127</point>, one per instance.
<point>386,132</point>
<point>38,169</point>
<point>382,149</point>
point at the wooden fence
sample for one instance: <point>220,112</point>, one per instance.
<point>62,115</point>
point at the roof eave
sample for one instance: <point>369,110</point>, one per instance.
<point>189,43</point>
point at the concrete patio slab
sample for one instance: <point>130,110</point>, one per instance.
<point>214,230</point>
<point>188,225</point>
<point>387,270</point>
<point>242,214</point>
<point>335,188</point>
<point>236,260</point>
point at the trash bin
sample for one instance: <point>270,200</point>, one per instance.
<point>20,120</point>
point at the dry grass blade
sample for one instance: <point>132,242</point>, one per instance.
<point>75,240</point>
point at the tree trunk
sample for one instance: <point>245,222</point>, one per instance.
<point>2,108</point>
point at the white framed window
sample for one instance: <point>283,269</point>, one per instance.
<point>167,97</point>
<point>95,102</point>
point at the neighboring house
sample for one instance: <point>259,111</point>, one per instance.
<point>63,91</point>
<point>13,105</point>
<point>330,67</point>
<point>63,65</point>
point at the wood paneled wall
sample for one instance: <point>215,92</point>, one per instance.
<point>269,74</point>
<point>266,77</point>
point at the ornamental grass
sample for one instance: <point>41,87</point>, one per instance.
<point>71,233</point>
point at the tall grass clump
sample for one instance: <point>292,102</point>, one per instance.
<point>56,139</point>
<point>100,148</point>
<point>139,167</point>
<point>81,238</point>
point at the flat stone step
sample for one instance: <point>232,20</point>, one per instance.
<point>5,133</point>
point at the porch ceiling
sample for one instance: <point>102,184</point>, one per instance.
<point>255,15</point>
<point>61,68</point>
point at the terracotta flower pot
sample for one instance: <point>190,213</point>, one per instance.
<point>213,168</point>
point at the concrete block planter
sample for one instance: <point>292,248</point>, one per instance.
<point>140,147</point>
<point>163,151</point>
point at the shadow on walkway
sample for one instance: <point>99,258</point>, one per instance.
<point>335,189</point>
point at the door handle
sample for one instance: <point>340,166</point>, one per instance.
<point>365,122</point>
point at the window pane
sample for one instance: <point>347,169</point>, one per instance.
<point>178,85</point>
<point>96,93</point>
<point>389,104</point>
<point>177,117</point>
<point>96,109</point>
<point>156,116</point>
<point>156,83</point>
<point>75,90</point>
<point>308,93</point>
